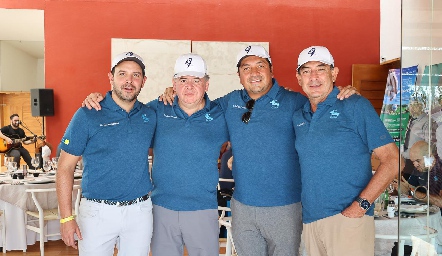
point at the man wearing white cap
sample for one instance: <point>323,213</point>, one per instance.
<point>343,134</point>
<point>266,211</point>
<point>185,172</point>
<point>186,147</point>
<point>115,187</point>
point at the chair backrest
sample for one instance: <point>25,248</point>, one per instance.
<point>35,191</point>
<point>422,247</point>
<point>418,241</point>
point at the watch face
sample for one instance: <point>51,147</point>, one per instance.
<point>365,204</point>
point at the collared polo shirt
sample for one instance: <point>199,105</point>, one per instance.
<point>114,145</point>
<point>335,144</point>
<point>186,150</point>
<point>265,167</point>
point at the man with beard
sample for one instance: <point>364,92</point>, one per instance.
<point>15,135</point>
<point>116,184</point>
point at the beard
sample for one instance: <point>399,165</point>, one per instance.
<point>125,96</point>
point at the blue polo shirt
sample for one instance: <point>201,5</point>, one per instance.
<point>114,145</point>
<point>265,166</point>
<point>334,146</point>
<point>186,150</point>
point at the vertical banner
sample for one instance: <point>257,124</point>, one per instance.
<point>394,113</point>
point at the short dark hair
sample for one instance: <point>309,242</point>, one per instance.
<point>13,115</point>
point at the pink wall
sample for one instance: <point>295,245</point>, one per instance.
<point>78,34</point>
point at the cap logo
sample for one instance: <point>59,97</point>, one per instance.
<point>188,62</point>
<point>129,54</point>
<point>248,48</point>
<point>311,52</point>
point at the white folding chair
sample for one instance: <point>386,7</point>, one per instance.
<point>226,221</point>
<point>429,236</point>
<point>42,216</point>
<point>3,227</point>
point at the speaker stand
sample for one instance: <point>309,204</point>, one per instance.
<point>43,126</point>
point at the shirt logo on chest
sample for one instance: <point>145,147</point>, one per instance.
<point>275,104</point>
<point>334,114</point>
<point>110,124</point>
<point>145,118</point>
<point>167,116</point>
<point>208,117</point>
<point>238,106</point>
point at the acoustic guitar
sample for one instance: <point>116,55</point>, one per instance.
<point>16,143</point>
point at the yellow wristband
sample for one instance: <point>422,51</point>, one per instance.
<point>64,220</point>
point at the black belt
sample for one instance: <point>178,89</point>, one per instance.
<point>120,203</point>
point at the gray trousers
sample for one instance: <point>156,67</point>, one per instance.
<point>197,230</point>
<point>266,231</point>
<point>21,152</point>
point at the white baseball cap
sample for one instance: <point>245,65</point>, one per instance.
<point>315,53</point>
<point>253,50</point>
<point>125,56</point>
<point>190,65</point>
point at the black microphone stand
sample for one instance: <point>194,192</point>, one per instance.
<point>35,136</point>
<point>24,126</point>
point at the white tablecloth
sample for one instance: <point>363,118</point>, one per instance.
<point>15,201</point>
<point>386,226</point>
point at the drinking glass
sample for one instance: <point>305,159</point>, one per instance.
<point>7,164</point>
<point>47,165</point>
<point>35,161</point>
<point>12,167</point>
<point>7,161</point>
<point>55,163</point>
<point>378,205</point>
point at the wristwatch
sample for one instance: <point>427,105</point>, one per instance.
<point>363,203</point>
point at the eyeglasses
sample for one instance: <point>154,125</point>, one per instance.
<point>246,116</point>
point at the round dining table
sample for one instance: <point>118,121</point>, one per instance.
<point>407,223</point>
<point>14,201</point>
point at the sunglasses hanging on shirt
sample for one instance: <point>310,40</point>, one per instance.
<point>246,116</point>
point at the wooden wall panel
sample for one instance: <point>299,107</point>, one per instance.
<point>370,81</point>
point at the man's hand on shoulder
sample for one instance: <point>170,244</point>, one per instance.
<point>168,96</point>
<point>346,92</point>
<point>93,101</point>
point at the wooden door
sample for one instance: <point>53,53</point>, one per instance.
<point>370,81</point>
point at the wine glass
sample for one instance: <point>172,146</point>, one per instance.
<point>55,163</point>
<point>35,161</point>
<point>7,164</point>
<point>378,206</point>
<point>12,167</point>
<point>8,159</point>
<point>47,165</point>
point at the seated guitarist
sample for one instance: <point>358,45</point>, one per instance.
<point>15,136</point>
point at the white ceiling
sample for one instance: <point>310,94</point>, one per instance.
<point>23,29</point>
